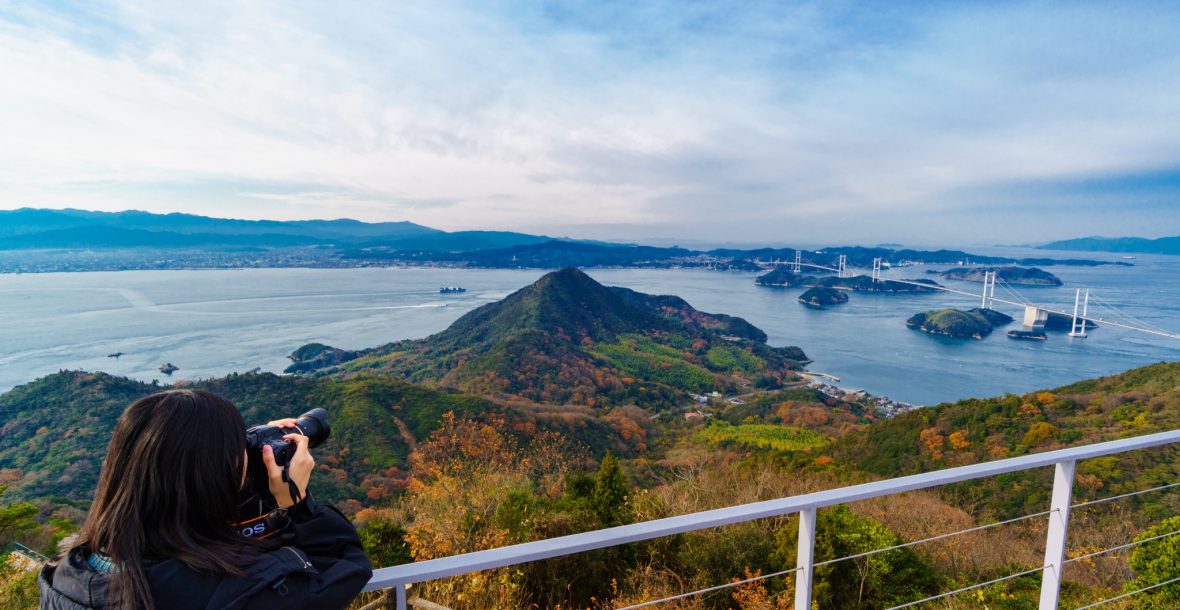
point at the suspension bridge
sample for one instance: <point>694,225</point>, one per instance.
<point>1035,316</point>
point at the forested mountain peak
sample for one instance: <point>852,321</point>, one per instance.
<point>567,337</point>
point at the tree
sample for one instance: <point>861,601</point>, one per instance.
<point>609,498</point>
<point>1156,562</point>
<point>873,581</point>
<point>385,542</point>
<point>1039,433</point>
<point>15,518</point>
<point>18,586</point>
<point>473,488</point>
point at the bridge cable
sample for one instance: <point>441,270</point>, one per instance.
<point>1126,316</point>
<point>1012,290</point>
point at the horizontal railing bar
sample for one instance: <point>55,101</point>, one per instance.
<point>672,598</point>
<point>636,532</point>
<point>1126,495</point>
<point>966,589</point>
<point>969,530</point>
<point>1130,593</point>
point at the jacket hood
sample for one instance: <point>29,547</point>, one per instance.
<point>71,584</point>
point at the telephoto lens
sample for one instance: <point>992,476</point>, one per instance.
<point>314,425</point>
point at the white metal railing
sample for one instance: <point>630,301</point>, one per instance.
<point>1063,460</point>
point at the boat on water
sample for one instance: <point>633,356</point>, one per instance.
<point>115,355</point>
<point>168,368</point>
<point>1027,335</point>
<point>450,289</point>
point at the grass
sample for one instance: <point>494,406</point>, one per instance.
<point>762,436</point>
<point>646,359</point>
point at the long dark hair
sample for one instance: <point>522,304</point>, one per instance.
<point>169,489</point>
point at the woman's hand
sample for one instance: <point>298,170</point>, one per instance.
<point>298,471</point>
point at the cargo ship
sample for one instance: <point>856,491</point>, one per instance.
<point>1027,335</point>
<point>450,289</point>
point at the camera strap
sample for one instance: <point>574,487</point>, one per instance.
<point>264,526</point>
<point>294,489</point>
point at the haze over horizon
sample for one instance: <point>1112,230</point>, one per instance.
<point>713,123</point>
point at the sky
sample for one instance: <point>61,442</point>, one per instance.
<point>951,123</point>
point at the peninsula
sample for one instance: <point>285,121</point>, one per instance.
<point>1016,276</point>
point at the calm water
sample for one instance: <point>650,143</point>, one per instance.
<point>211,323</point>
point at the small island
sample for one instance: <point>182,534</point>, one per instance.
<point>971,324</point>
<point>1016,276</point>
<point>820,297</point>
<point>783,277</point>
<point>1057,321</point>
<point>316,356</point>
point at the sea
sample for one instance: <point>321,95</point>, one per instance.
<point>213,322</point>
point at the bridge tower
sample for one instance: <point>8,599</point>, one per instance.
<point>841,265</point>
<point>989,289</point>
<point>798,262</point>
<point>877,269</point>
<point>1077,327</point>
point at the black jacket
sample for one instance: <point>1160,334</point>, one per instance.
<point>324,568</point>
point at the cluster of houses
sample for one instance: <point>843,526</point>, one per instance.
<point>885,407</point>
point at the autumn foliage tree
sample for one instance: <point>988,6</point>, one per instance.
<point>472,487</point>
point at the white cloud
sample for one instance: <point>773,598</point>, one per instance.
<point>759,121</point>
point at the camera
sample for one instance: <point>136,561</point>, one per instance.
<point>313,425</point>
<point>256,499</point>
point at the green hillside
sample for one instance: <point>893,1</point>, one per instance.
<point>567,338</point>
<point>1137,402</point>
<point>55,430</point>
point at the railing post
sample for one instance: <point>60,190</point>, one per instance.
<point>401,597</point>
<point>1058,534</point>
<point>805,559</point>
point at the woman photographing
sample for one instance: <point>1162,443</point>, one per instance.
<point>160,533</point>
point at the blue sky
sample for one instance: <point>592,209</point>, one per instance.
<point>925,122</point>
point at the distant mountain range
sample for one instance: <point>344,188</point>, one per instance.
<point>29,228</point>
<point>203,242</point>
<point>567,338</point>
<point>1162,245</point>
